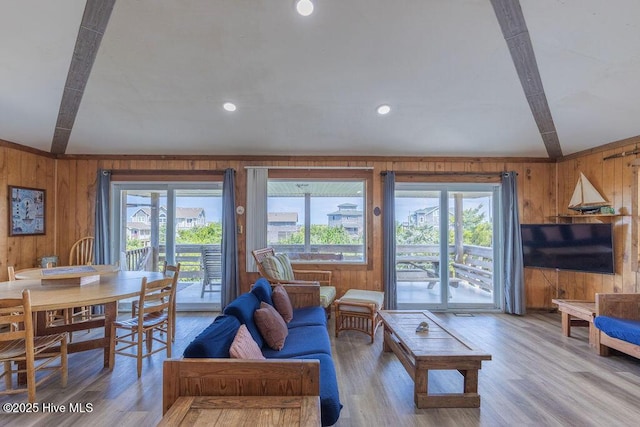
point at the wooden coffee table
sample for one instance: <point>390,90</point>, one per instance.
<point>438,348</point>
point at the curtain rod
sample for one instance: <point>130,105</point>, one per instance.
<point>144,172</point>
<point>313,167</point>
<point>427,173</point>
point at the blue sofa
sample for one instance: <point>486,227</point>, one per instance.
<point>618,323</point>
<point>308,338</point>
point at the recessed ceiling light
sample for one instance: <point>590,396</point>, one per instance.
<point>304,7</point>
<point>383,109</point>
<point>229,106</point>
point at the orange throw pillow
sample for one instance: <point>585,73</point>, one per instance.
<point>271,326</point>
<point>282,303</point>
<point>244,346</point>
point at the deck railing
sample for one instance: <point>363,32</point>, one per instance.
<point>413,262</point>
<point>188,255</point>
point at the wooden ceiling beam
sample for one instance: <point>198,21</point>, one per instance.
<point>516,34</point>
<point>94,23</point>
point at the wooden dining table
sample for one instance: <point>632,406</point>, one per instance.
<point>111,287</point>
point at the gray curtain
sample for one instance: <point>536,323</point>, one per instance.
<point>102,244</point>
<point>230,288</point>
<point>389,241</point>
<point>513,273</point>
<point>256,235</point>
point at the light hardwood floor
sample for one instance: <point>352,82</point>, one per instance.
<point>537,378</point>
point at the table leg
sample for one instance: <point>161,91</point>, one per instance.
<point>566,324</point>
<point>421,386</point>
<point>470,380</point>
<point>110,316</point>
<point>386,336</point>
<point>594,336</point>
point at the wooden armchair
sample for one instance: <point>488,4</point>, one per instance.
<point>323,277</point>
<point>301,277</point>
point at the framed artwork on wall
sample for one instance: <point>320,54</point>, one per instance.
<point>27,211</point>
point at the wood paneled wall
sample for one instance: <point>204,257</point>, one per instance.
<point>544,191</point>
<point>26,169</point>
<point>616,180</point>
<point>76,184</point>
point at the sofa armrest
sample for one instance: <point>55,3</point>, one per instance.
<point>305,294</point>
<point>321,276</point>
<point>625,306</point>
<point>235,377</point>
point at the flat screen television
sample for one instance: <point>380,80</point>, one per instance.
<point>576,247</point>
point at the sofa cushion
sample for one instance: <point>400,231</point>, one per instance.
<point>301,341</point>
<point>287,270</point>
<point>243,308</point>
<point>271,326</point>
<point>215,340</point>
<point>243,346</point>
<point>262,290</point>
<point>330,405</point>
<point>282,303</point>
<point>622,329</point>
<point>327,295</point>
<point>307,316</point>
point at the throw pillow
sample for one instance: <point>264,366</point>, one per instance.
<point>271,326</point>
<point>282,303</point>
<point>287,270</point>
<point>244,347</point>
<point>273,267</point>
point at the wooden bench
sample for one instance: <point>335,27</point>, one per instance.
<point>577,313</point>
<point>476,268</point>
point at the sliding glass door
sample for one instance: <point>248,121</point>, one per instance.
<point>154,222</point>
<point>446,252</point>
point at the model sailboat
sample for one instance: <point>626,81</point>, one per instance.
<point>586,199</point>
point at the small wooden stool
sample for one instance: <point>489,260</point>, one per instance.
<point>357,310</point>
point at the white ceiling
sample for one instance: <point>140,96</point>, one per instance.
<point>310,86</point>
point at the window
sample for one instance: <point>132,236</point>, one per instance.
<point>446,258</point>
<point>319,219</point>
<point>155,221</point>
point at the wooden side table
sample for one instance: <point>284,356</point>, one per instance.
<point>577,313</point>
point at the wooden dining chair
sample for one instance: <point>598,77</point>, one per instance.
<point>19,347</point>
<point>54,317</point>
<point>172,271</point>
<point>153,323</point>
<point>81,253</point>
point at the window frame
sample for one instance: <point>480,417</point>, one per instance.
<point>366,176</point>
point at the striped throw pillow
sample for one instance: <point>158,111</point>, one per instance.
<point>273,267</point>
<point>287,270</point>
